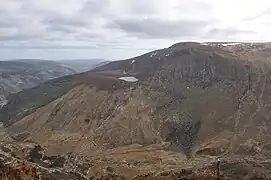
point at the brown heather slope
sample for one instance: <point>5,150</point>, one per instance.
<point>191,98</point>
<point>128,162</point>
<point>186,95</point>
<point>19,171</point>
<point>27,161</point>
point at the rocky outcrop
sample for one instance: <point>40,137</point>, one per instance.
<point>217,145</point>
<point>17,171</point>
<point>250,147</point>
<point>128,162</point>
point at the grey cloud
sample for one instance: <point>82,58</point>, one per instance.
<point>32,22</point>
<point>5,21</point>
<point>252,17</point>
<point>267,11</point>
<point>9,20</point>
<point>66,20</point>
<point>15,26</point>
<point>142,7</point>
<point>18,35</point>
<point>15,37</point>
<point>104,25</point>
<point>78,26</point>
<point>95,6</point>
<point>47,47</point>
<point>195,7</point>
<point>65,24</point>
<point>67,29</point>
<point>226,32</point>
<point>102,7</point>
<point>158,28</point>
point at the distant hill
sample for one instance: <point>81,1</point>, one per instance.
<point>19,74</point>
<point>16,75</point>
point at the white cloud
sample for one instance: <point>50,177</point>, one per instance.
<point>116,29</point>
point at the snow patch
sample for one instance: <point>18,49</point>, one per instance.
<point>153,54</point>
<point>3,102</point>
<point>129,79</point>
<point>220,44</point>
<point>167,55</point>
<point>230,44</point>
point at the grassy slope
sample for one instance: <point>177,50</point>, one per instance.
<point>28,101</point>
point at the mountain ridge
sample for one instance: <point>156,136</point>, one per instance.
<point>198,101</point>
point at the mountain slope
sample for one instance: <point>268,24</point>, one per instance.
<point>187,94</point>
<point>17,75</point>
<point>190,103</point>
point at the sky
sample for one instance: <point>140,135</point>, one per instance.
<point>119,29</point>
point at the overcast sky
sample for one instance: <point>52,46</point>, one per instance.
<point>117,29</point>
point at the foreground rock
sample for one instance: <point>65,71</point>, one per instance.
<point>130,162</point>
<point>17,171</point>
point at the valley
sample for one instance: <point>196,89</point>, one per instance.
<point>167,114</point>
<point>16,76</point>
<point>20,74</point>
